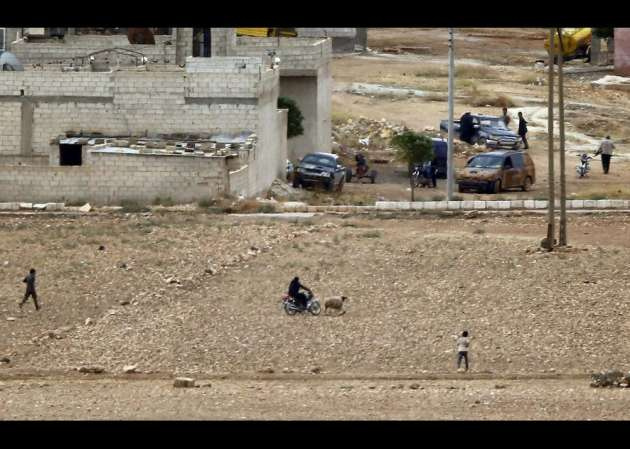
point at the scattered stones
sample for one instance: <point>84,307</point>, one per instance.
<point>101,248</point>
<point>5,360</point>
<point>90,369</point>
<point>316,370</point>
<point>124,302</point>
<point>471,214</point>
<point>85,208</point>
<point>89,322</point>
<point>267,371</point>
<point>122,265</point>
<point>184,382</point>
<point>11,318</point>
<point>414,386</point>
<point>211,271</point>
<point>500,387</point>
<point>172,280</point>
<point>611,378</point>
<point>129,369</point>
<point>287,371</point>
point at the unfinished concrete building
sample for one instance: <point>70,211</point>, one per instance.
<point>191,116</point>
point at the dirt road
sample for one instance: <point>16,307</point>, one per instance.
<point>312,399</point>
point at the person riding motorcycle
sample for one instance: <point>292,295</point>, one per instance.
<point>294,292</point>
<point>362,166</point>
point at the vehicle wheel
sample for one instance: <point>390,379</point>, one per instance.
<point>460,188</point>
<point>315,308</point>
<point>330,185</point>
<point>348,175</point>
<point>527,185</point>
<point>496,187</point>
<point>296,182</point>
<point>373,176</point>
<point>289,310</point>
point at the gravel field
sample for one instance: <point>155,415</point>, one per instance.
<point>413,285</point>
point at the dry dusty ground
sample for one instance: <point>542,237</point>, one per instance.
<point>492,62</point>
<point>413,285</point>
<point>312,399</point>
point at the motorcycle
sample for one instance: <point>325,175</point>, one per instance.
<point>362,170</point>
<point>291,307</point>
<point>421,175</point>
<point>584,167</point>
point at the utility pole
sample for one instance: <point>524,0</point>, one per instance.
<point>552,194</point>
<point>450,182</point>
<point>562,240</point>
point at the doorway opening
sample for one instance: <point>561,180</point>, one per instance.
<point>202,44</point>
<point>70,154</point>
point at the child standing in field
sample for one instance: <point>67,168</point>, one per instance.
<point>29,280</point>
<point>463,343</point>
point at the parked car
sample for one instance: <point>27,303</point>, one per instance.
<point>489,131</point>
<point>497,170</point>
<point>320,168</point>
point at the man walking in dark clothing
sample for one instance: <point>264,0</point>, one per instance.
<point>522,130</point>
<point>434,173</point>
<point>466,128</point>
<point>606,150</point>
<point>30,289</point>
<point>294,291</point>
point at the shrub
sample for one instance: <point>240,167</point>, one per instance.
<point>166,202</point>
<point>132,207</point>
<point>295,117</point>
<point>413,148</point>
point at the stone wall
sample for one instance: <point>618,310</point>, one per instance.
<point>622,51</point>
<point>109,178</point>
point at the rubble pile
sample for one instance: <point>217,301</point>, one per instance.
<point>366,134</point>
<point>612,378</point>
<point>369,135</point>
<point>184,145</point>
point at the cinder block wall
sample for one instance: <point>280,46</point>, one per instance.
<point>112,178</point>
<point>622,51</point>
<point>126,103</point>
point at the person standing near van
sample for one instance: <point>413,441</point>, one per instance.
<point>463,344</point>
<point>522,130</point>
<point>606,150</point>
<point>506,118</point>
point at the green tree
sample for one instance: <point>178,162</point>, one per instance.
<point>413,148</point>
<point>295,117</point>
<point>604,33</point>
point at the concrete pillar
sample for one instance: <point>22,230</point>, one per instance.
<point>223,41</point>
<point>26,135</point>
<point>596,45</point>
<point>183,44</point>
<point>313,96</point>
<point>362,38</point>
